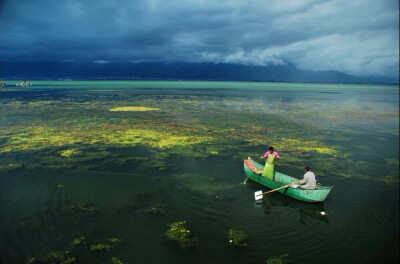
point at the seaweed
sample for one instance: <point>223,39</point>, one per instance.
<point>178,233</point>
<point>153,211</point>
<point>182,133</point>
<point>282,259</point>
<point>109,245</point>
<point>101,247</point>
<point>115,260</point>
<point>69,152</point>
<point>53,257</point>
<point>79,241</point>
<point>78,247</point>
<point>237,237</point>
<point>133,109</point>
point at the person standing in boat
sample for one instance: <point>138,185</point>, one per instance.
<point>308,181</point>
<point>270,155</point>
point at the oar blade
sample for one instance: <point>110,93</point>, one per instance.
<point>258,195</point>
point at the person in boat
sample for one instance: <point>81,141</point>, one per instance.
<point>270,155</point>
<point>308,182</point>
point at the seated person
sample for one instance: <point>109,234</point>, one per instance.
<point>308,181</point>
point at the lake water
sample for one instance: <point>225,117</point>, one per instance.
<point>84,182</point>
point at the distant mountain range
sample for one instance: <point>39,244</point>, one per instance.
<point>177,71</point>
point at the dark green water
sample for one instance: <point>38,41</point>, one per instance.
<point>70,168</point>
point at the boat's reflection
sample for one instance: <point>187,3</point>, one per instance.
<point>305,210</point>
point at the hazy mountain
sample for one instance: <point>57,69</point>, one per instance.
<point>176,71</point>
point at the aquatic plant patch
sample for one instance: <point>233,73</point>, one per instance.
<point>189,125</point>
<point>133,109</point>
<point>72,255</point>
<point>74,172</point>
<point>69,152</point>
<point>79,241</point>
<point>115,260</point>
<point>282,259</point>
<point>179,233</point>
<point>237,237</point>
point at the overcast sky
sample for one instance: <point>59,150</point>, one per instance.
<point>359,37</point>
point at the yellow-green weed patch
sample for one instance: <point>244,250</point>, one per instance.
<point>42,136</point>
<point>297,145</point>
<point>133,109</point>
<point>69,152</point>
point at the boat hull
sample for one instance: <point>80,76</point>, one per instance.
<point>315,195</point>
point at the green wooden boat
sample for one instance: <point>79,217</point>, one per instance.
<point>253,169</point>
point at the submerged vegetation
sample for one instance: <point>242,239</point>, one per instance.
<point>237,237</point>
<point>82,141</point>
<point>79,241</point>
<point>178,233</point>
<point>115,260</point>
<point>69,152</point>
<point>54,257</point>
<point>72,256</point>
<point>153,211</point>
<point>189,126</point>
<point>282,259</point>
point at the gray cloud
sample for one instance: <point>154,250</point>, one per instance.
<point>359,37</point>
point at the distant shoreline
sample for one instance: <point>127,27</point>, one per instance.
<point>12,82</point>
<point>287,73</point>
<point>181,80</point>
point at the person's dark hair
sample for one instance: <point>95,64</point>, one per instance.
<point>271,148</point>
<point>307,168</point>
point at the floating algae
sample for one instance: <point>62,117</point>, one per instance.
<point>237,237</point>
<point>297,145</point>
<point>114,241</point>
<point>147,205</point>
<point>56,257</point>
<point>230,125</point>
<point>283,259</point>
<point>78,248</point>
<point>178,233</point>
<point>133,109</point>
<point>115,260</point>
<point>111,243</point>
<point>45,136</point>
<point>69,152</point>
<point>153,211</point>
<point>101,247</point>
<point>79,241</point>
<point>190,126</point>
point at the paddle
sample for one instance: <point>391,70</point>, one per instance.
<point>245,181</point>
<point>259,194</point>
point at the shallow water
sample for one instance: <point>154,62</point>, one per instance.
<point>70,168</point>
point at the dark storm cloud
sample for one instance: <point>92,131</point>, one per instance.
<point>358,37</point>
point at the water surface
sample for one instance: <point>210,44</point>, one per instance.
<point>71,168</point>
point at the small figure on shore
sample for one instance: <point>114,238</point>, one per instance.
<point>308,181</point>
<point>270,155</point>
